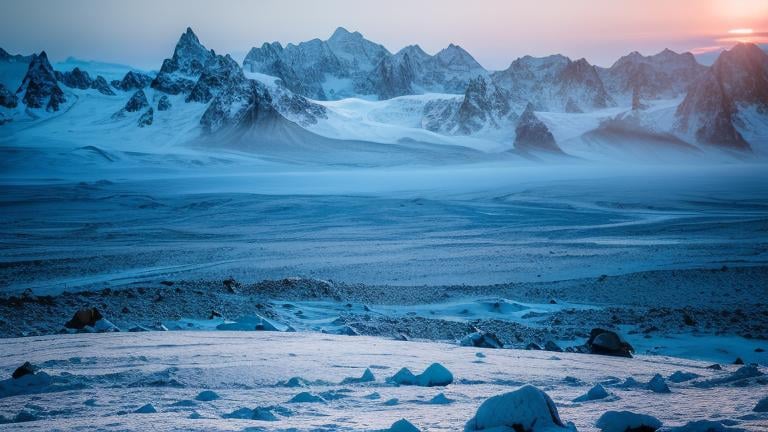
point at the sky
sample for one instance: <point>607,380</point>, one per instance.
<point>143,32</point>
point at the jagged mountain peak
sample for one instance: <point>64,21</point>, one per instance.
<point>341,33</point>
<point>40,85</point>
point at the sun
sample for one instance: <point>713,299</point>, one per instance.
<point>741,31</point>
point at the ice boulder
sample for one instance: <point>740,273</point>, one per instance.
<point>595,393</point>
<point>440,399</point>
<point>207,396</point>
<point>626,421</point>
<point>481,339</point>
<point>366,377</point>
<point>435,375</point>
<point>306,397</point>
<point>146,409</point>
<point>762,405</point>
<point>526,409</point>
<point>402,425</point>
<point>658,385</point>
<point>404,377</point>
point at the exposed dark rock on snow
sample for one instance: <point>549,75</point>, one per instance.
<point>40,88</point>
<point>147,118</point>
<point>532,135</point>
<point>7,99</point>
<point>483,104</point>
<point>132,81</point>
<point>164,104</point>
<point>179,73</point>
<point>242,104</point>
<point>218,73</point>
<point>79,79</point>
<point>100,84</point>
<point>606,342</point>
<point>298,108</point>
<point>526,409</point>
<point>481,339</point>
<point>137,102</point>
<point>84,317</point>
<point>75,78</point>
<point>90,320</point>
<point>737,81</point>
<point>26,369</point>
<point>663,75</point>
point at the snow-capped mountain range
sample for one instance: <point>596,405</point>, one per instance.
<point>325,94</point>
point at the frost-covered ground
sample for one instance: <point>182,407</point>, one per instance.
<point>99,381</point>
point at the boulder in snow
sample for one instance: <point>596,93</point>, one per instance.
<point>90,319</point>
<point>626,421</point>
<point>526,409</point>
<point>481,339</point>
<point>606,342</point>
<point>26,369</point>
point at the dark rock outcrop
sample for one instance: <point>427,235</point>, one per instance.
<point>132,81</point>
<point>137,102</point>
<point>532,135</point>
<point>26,369</point>
<point>218,73</point>
<point>100,84</point>
<point>164,104</point>
<point>606,342</point>
<point>7,99</point>
<point>75,78</point>
<point>84,317</point>
<point>40,88</point>
<point>147,118</point>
